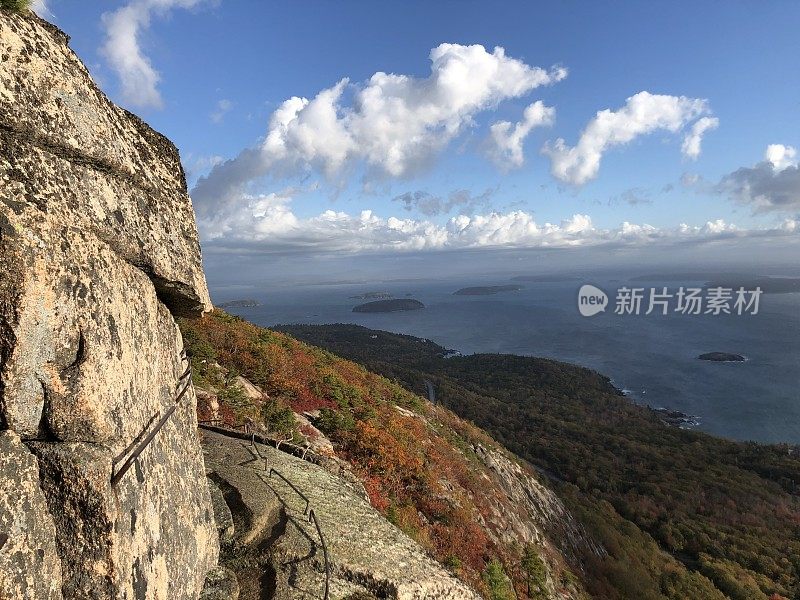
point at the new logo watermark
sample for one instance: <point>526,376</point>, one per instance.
<point>683,300</point>
<point>591,300</point>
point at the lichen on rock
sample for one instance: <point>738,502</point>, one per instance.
<point>98,253</point>
<point>29,564</point>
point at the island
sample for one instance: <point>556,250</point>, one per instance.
<point>246,303</point>
<point>553,278</point>
<point>486,290</point>
<point>372,296</point>
<point>722,357</point>
<point>383,306</point>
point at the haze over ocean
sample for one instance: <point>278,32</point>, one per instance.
<point>652,357</point>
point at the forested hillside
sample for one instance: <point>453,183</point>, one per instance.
<point>444,482</point>
<point>675,509</point>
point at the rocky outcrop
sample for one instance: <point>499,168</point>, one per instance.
<point>98,254</point>
<point>277,551</point>
<point>528,512</point>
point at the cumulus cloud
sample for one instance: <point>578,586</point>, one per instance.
<point>223,107</point>
<point>790,225</point>
<point>506,139</point>
<point>643,113</point>
<point>781,157</point>
<point>430,205</point>
<point>692,140</point>
<point>770,185</point>
<point>122,49</point>
<point>392,124</point>
<point>267,224</point>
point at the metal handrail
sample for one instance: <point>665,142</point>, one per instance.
<point>278,442</point>
<point>187,376</point>
<point>135,441</point>
<point>304,452</point>
<point>309,512</point>
<point>312,517</point>
<point>291,485</point>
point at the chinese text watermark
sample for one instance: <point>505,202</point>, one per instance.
<point>663,301</point>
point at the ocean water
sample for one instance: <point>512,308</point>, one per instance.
<point>652,357</point>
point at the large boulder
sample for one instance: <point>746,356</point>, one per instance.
<point>98,253</point>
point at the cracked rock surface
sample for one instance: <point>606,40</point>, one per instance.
<point>29,564</point>
<point>98,254</point>
<point>277,553</point>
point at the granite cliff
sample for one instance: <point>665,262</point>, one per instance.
<point>105,489</point>
<point>98,254</point>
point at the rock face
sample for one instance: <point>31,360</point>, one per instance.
<point>532,513</point>
<point>98,254</point>
<point>29,564</point>
<point>278,553</point>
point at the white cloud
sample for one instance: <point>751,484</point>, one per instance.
<point>506,139</point>
<point>643,113</point>
<point>223,107</point>
<point>693,139</point>
<point>770,185</point>
<point>268,225</point>
<point>394,125</point>
<point>781,157</point>
<point>790,225</point>
<point>123,51</point>
<point>718,226</point>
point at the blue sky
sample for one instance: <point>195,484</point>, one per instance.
<point>224,67</point>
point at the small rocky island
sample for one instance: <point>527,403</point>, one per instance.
<point>395,305</point>
<point>486,290</point>
<point>722,357</point>
<point>246,303</point>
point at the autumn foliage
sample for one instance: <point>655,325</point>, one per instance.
<point>413,458</point>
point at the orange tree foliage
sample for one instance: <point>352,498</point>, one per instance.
<point>414,465</point>
<point>682,514</point>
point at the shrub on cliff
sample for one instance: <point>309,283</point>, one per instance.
<point>497,581</point>
<point>277,417</point>
<point>415,460</point>
<point>15,5</point>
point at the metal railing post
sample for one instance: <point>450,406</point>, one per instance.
<point>312,518</point>
<point>291,485</point>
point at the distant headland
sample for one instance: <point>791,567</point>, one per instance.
<point>245,303</point>
<point>486,290</point>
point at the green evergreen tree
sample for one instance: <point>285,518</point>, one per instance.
<point>535,573</point>
<point>497,581</point>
